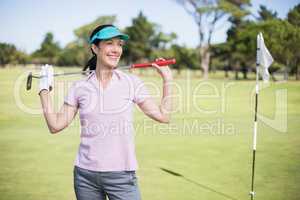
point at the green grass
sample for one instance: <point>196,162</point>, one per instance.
<point>210,164</point>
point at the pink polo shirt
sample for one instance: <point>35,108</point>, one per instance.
<point>106,119</point>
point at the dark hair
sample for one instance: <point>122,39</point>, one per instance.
<point>92,62</point>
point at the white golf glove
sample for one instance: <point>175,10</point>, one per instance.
<point>46,82</point>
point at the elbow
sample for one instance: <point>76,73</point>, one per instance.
<point>164,120</point>
<point>53,130</point>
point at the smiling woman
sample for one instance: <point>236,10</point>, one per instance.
<point>106,160</point>
<point>110,36</point>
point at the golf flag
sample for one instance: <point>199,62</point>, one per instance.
<point>264,58</point>
<point>263,62</point>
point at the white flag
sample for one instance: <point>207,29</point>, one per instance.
<point>264,58</point>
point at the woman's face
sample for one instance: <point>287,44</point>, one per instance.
<point>109,52</point>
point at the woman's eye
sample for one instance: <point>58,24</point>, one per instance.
<point>108,42</point>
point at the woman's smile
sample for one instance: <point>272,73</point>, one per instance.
<point>114,57</point>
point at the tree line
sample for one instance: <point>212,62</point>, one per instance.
<point>148,41</point>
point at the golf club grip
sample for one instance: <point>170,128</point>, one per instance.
<point>159,63</point>
<point>29,81</point>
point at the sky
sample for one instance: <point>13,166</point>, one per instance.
<point>25,22</point>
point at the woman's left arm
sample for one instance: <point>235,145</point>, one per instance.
<point>150,108</point>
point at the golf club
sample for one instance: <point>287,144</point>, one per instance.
<point>133,66</point>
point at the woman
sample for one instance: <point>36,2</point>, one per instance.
<point>106,162</point>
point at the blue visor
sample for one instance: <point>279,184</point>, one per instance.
<point>108,33</point>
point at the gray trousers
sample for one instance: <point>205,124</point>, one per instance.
<point>116,185</point>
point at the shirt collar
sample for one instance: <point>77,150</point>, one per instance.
<point>90,75</point>
<point>115,76</point>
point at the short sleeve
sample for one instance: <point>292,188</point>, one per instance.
<point>141,92</point>
<point>71,97</point>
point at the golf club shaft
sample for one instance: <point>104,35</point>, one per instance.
<point>138,65</point>
<point>63,74</point>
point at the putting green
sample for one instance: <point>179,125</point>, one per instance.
<point>204,153</point>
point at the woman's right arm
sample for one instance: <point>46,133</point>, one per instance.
<point>60,120</point>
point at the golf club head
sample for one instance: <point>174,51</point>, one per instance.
<point>29,81</point>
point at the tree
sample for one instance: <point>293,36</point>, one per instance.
<point>222,53</point>
<point>266,14</point>
<point>6,53</point>
<point>294,19</point>
<point>239,55</point>
<point>10,55</point>
<point>48,51</point>
<point>294,16</point>
<point>236,49</point>
<point>141,34</point>
<point>281,38</point>
<point>147,41</point>
<point>71,55</point>
<point>185,57</point>
<point>207,13</point>
<point>161,41</point>
<point>285,42</point>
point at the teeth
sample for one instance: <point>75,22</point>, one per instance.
<point>115,57</point>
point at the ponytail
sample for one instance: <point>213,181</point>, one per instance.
<point>91,64</point>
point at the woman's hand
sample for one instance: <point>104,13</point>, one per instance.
<point>56,121</point>
<point>46,82</point>
<point>162,112</point>
<point>164,71</point>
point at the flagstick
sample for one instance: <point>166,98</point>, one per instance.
<point>255,123</point>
